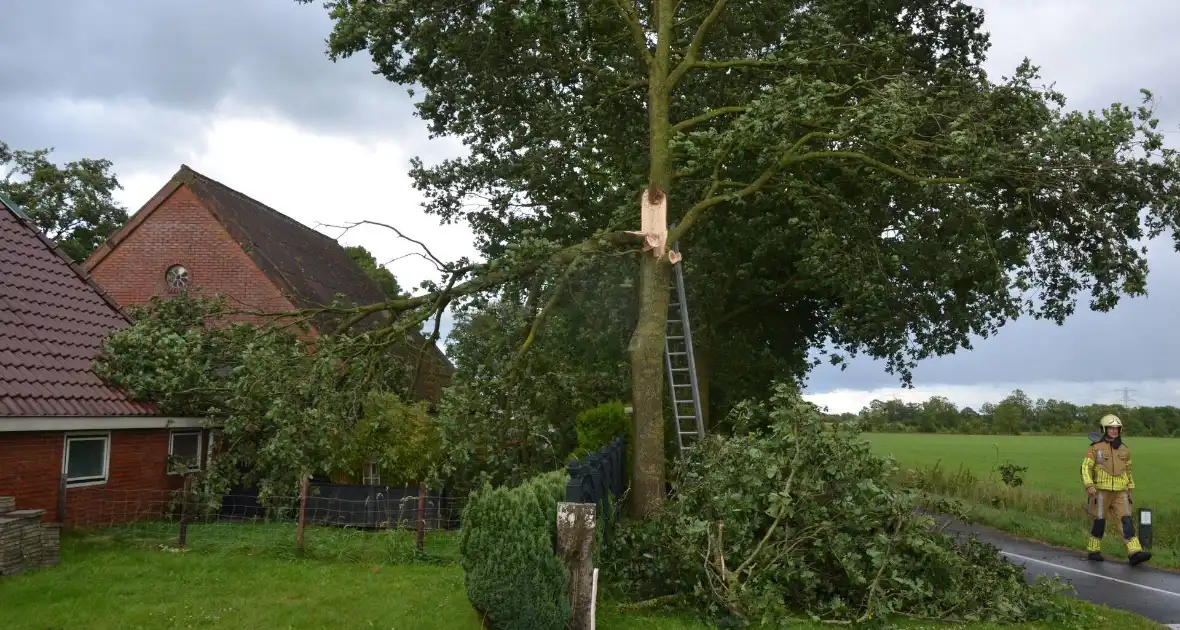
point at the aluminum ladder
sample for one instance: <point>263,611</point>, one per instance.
<point>681,364</point>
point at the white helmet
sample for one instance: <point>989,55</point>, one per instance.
<point>1110,420</point>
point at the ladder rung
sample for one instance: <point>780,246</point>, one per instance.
<point>677,354</point>
<point>678,338</point>
<point>686,418</point>
<point>679,369</point>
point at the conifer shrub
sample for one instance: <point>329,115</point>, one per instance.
<point>514,578</point>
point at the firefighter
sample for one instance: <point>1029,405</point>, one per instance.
<point>1106,473</point>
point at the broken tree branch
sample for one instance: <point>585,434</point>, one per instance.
<point>780,512</point>
<point>539,319</point>
<point>868,611</point>
<point>440,307</point>
<point>489,275</point>
<point>428,254</point>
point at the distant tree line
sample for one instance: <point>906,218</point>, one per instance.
<point>1014,415</point>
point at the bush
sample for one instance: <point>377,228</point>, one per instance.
<point>800,520</point>
<point>514,578</point>
<point>598,426</point>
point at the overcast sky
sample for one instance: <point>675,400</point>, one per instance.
<point>243,92</point>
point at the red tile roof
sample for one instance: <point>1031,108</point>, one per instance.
<point>52,323</point>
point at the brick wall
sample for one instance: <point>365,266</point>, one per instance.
<point>182,232</point>
<point>137,483</point>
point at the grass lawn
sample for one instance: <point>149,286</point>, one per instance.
<point>123,579</point>
<point>1050,505</point>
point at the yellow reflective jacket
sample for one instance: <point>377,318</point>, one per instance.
<point>1108,468</point>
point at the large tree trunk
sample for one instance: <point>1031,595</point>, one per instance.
<point>647,387</point>
<point>647,344</point>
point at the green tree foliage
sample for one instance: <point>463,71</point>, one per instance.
<point>285,408</point>
<point>1008,418</point>
<point>1016,413</point>
<point>800,520</point>
<point>72,204</point>
<point>892,198</point>
<point>505,419</point>
<point>399,437</point>
<point>378,273</point>
<point>514,579</point>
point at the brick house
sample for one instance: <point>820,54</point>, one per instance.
<point>61,427</point>
<point>200,235</point>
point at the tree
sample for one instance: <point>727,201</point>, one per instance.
<point>505,419</point>
<point>287,408</point>
<point>378,273</point>
<point>940,413</point>
<point>916,201</point>
<point>72,204</point>
<point>1009,417</point>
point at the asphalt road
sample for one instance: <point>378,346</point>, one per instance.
<point>1142,590</point>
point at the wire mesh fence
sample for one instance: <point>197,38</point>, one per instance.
<point>354,522</point>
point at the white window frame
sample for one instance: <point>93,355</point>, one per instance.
<point>171,441</point>
<point>105,438</point>
<point>371,475</point>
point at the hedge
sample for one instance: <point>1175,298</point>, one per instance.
<point>513,575</point>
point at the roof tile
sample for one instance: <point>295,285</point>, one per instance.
<point>52,324</point>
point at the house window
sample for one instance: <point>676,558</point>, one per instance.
<point>372,473</point>
<point>185,448</point>
<point>87,459</point>
<point>177,277</point>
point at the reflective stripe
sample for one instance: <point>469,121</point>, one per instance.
<point>1106,481</point>
<point>1092,475</point>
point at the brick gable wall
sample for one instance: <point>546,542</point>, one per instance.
<point>182,232</point>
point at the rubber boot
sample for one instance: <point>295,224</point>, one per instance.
<point>1139,557</point>
<point>1096,556</point>
<point>1135,553</point>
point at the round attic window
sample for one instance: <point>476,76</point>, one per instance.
<point>177,278</point>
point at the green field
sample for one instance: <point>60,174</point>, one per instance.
<point>1050,504</point>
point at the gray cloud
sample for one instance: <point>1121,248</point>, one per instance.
<point>152,70</point>
<point>136,81</point>
<point>1134,342</point>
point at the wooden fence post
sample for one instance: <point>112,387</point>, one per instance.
<point>421,533</point>
<point>575,547</point>
<point>302,512</point>
<point>61,499</point>
<point>183,538</point>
